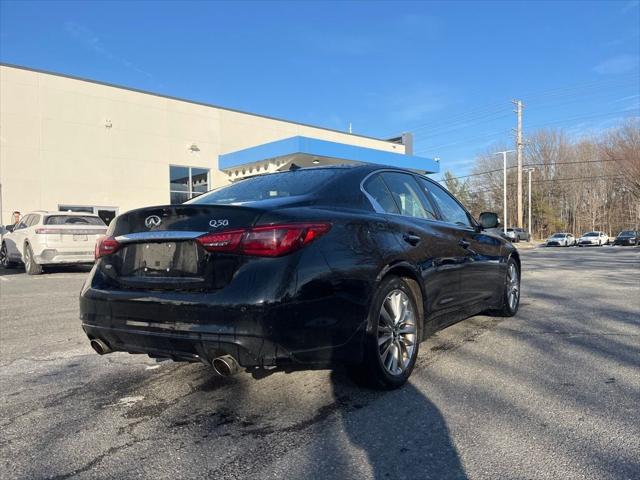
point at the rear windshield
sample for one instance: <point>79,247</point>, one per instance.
<point>73,220</point>
<point>559,235</point>
<point>263,187</point>
<point>627,233</point>
<point>592,234</point>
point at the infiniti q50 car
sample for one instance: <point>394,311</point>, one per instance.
<point>313,267</point>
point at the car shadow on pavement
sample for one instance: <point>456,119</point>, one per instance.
<point>401,434</point>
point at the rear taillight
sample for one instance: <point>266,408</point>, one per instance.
<point>266,241</point>
<point>106,246</point>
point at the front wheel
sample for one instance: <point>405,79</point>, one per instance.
<point>4,257</point>
<point>393,336</point>
<point>511,292</point>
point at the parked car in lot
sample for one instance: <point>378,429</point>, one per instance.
<point>350,265</point>
<point>516,235</point>
<point>510,235</point>
<point>522,235</point>
<point>593,238</point>
<point>627,237</point>
<point>51,238</point>
<point>561,240</point>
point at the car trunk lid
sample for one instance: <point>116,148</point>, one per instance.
<point>158,247</point>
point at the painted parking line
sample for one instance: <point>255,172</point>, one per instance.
<point>4,279</point>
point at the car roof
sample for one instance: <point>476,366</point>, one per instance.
<point>77,214</point>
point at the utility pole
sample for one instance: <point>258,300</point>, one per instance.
<point>504,187</point>
<point>519,145</point>
<point>529,170</point>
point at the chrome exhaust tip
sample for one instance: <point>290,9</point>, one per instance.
<point>225,366</point>
<point>99,346</point>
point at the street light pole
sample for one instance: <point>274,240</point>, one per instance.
<point>529,170</point>
<point>504,187</point>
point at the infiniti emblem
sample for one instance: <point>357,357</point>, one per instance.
<point>152,221</point>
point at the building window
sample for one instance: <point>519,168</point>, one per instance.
<point>187,182</point>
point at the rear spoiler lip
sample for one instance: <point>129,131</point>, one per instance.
<point>158,236</point>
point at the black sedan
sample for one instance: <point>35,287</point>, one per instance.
<point>299,269</point>
<point>627,237</point>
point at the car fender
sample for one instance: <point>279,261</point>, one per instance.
<point>402,268</point>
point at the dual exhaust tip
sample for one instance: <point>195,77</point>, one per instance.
<point>225,366</point>
<point>99,346</point>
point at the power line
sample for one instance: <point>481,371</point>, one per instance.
<point>501,132</point>
<point>574,179</point>
<point>557,92</point>
<point>533,165</point>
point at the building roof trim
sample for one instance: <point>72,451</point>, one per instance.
<point>179,99</point>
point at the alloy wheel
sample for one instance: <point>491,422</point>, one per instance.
<point>513,286</point>
<point>396,332</point>
<point>27,259</point>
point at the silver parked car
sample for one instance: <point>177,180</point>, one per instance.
<point>51,238</point>
<point>561,240</point>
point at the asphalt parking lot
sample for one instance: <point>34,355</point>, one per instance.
<point>551,393</point>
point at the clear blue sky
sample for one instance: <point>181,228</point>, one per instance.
<point>445,70</point>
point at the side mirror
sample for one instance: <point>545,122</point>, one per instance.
<point>9,228</point>
<point>489,220</point>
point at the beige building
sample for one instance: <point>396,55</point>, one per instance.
<point>69,143</point>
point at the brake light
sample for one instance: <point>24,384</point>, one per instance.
<point>106,246</point>
<point>266,241</point>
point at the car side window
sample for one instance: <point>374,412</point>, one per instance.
<point>24,223</point>
<point>408,195</point>
<point>379,192</point>
<point>450,209</point>
<point>33,220</point>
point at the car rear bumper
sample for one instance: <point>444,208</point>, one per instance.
<point>624,242</point>
<point>197,327</point>
<point>52,256</point>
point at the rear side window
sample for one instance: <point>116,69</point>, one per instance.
<point>31,220</point>
<point>409,198</point>
<point>264,187</point>
<point>450,209</point>
<point>72,220</point>
<point>379,192</point>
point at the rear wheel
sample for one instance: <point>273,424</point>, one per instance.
<point>393,336</point>
<point>4,257</point>
<point>511,295</point>
<point>30,265</point>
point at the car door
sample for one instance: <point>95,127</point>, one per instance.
<point>482,273</point>
<point>15,240</point>
<point>428,244</point>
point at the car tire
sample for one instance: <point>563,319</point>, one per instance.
<point>30,265</point>
<point>392,339</point>
<point>4,257</point>
<point>512,281</point>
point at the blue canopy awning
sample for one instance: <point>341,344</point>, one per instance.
<point>305,151</point>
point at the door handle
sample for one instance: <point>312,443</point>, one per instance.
<point>411,238</point>
<point>464,244</point>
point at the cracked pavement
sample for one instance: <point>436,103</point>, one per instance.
<point>551,393</point>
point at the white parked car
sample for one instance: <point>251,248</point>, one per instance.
<point>593,238</point>
<point>561,240</point>
<point>51,238</point>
